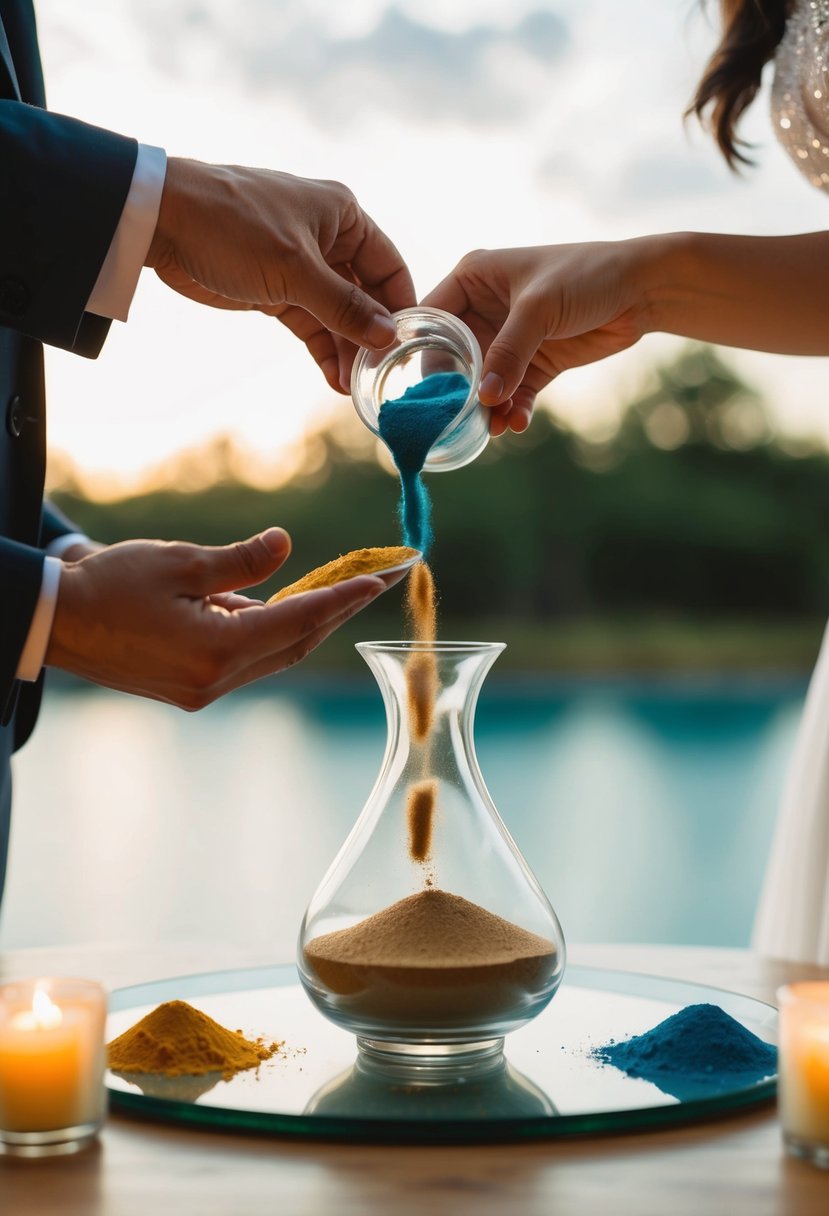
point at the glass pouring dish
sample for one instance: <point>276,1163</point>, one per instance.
<point>428,341</point>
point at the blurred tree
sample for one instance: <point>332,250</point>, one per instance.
<point>693,508</point>
<point>697,399</point>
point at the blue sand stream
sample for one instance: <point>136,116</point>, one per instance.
<point>409,425</point>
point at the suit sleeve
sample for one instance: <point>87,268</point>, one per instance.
<point>54,524</point>
<point>23,567</point>
<point>63,185</point>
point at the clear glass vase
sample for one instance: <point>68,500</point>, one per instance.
<point>429,936</point>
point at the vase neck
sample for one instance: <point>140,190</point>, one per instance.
<point>430,690</point>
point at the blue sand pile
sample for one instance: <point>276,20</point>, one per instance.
<point>695,1053</point>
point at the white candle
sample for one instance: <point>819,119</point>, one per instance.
<point>804,1068</point>
<point>51,1059</point>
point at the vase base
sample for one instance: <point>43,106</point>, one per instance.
<point>431,1061</point>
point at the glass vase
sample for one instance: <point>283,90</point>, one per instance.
<point>429,935</point>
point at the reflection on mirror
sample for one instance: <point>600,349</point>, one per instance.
<point>485,1089</point>
<point>173,1089</point>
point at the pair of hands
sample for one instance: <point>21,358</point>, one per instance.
<point>305,252</point>
<point>165,620</point>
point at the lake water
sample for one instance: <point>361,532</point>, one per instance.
<point>645,809</point>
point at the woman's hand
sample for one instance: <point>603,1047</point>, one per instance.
<point>539,311</point>
<point>295,248</point>
<point>164,620</point>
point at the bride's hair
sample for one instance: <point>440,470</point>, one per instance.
<point>751,30</point>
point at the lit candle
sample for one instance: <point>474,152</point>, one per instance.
<point>804,1069</point>
<point>51,1061</point>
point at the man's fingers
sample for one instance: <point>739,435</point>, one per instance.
<point>319,341</point>
<point>229,567</point>
<point>296,626</point>
<point>378,265</point>
<point>301,649</point>
<point>296,616</point>
<point>346,309</point>
<point>346,354</point>
<point>234,602</point>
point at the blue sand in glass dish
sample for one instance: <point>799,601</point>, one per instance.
<point>409,425</point>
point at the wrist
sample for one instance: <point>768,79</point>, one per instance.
<point>176,196</point>
<point>72,546</point>
<point>79,550</point>
<point>663,269</point>
<point>68,615</point>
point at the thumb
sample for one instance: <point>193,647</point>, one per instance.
<point>511,353</point>
<point>243,564</point>
<point>345,309</point>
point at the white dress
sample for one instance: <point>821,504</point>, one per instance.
<point>792,920</point>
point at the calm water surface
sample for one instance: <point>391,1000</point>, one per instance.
<point>645,810</point>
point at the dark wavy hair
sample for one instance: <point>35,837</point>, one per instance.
<point>751,30</point>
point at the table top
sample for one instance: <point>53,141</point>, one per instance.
<point>735,1165</point>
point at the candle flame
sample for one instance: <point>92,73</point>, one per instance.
<point>45,1012</point>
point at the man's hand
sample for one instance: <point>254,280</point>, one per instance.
<point>297,249</point>
<point>164,620</point>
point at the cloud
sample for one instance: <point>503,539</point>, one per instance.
<point>634,183</point>
<point>659,177</point>
<point>482,75</point>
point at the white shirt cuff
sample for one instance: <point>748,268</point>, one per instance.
<point>118,278</point>
<point>34,652</point>
<point>60,544</point>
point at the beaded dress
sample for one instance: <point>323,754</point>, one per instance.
<point>792,918</point>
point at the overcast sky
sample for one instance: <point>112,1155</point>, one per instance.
<point>457,125</point>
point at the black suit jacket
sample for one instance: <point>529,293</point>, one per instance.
<point>63,185</point>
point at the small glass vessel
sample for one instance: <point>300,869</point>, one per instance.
<point>429,936</point>
<point>428,340</point>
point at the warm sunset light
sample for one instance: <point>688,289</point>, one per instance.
<point>419,740</point>
<point>527,118</point>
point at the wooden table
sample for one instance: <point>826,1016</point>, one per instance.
<point>730,1167</point>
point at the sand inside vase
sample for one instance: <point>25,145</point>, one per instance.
<point>433,959</point>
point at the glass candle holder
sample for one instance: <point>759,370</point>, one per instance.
<point>52,1058</point>
<point>804,1070</point>
<point>428,341</point>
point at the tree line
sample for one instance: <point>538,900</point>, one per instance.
<point>692,507</point>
